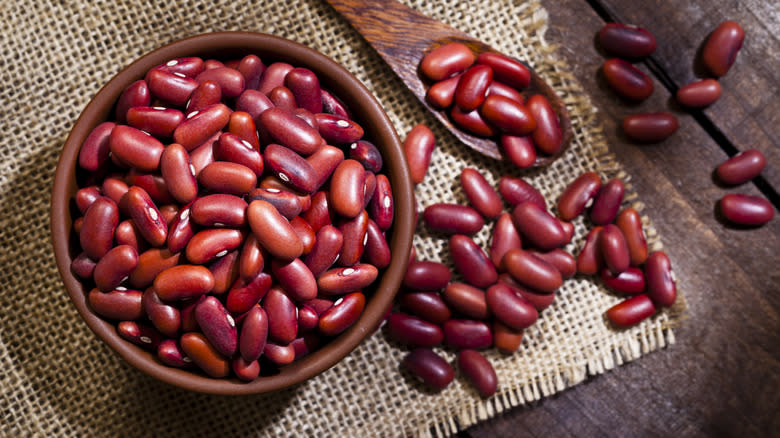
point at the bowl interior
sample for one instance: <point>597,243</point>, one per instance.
<point>366,111</point>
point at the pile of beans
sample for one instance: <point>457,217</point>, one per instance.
<point>232,215</point>
<point>484,96</point>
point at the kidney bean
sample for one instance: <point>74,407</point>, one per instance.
<point>721,48</point>
<point>178,173</point>
<point>204,155</point>
<point>251,68</point>
<point>453,218</point>
<point>380,209</point>
<point>413,331</point>
<point>472,262</point>
<point>136,94</point>
<point>287,203</point>
<point>246,371</point>
<point>333,105</point>
<point>217,325</point>
<point>441,95</point>
<point>273,76</point>
<point>172,87</point>
<point>428,306</point>
<point>219,210</point>
<point>96,147</point>
<point>368,188</point>
<point>211,243</point>
<point>295,278</point>
<point>282,318</point>
<point>85,197</point>
<point>590,259</point>
<point>197,347</point>
<point>626,41</point>
<point>319,214</point>
<point>303,345</point>
<point>230,80</point>
<point>308,319</point>
<point>157,121</point>
<point>305,232</point>
<point>327,247</point>
<point>480,193</point>
<point>283,98</point>
<point>150,263</point>
<point>189,66</point>
<point>418,148</point>
<point>538,227</point>
<point>627,80</point>
<point>650,127</point>
<point>661,283</point>
<point>506,339</point>
<point>630,224</point>
<point>114,188</point>
<point>115,267</point>
<point>466,333</point>
<point>539,300</point>
<point>426,275</point>
<point>290,131</point>
<point>578,195</point>
<point>742,167</point>
<point>699,94</point>
<point>83,266</point>
<point>631,311</point>
<point>515,191</point>
<point>562,260</point>
<point>242,125</point>
<point>547,136</point>
<point>169,212</point>
<point>206,94</point>
<point>532,271</point>
<point>478,371</point>
<point>354,232</point>
<point>201,125</point>
<point>253,102</point>
<point>377,250</point>
<point>509,307</point>
<point>152,183</point>
<point>607,203</point>
<point>506,70</point>
<point>467,300</point>
<point>170,353</point>
<point>347,188</point>
<point>472,122</point>
<point>245,294</point>
<point>367,154</point>
<point>225,272</point>
<point>181,230</point>
<point>446,60</point>
<point>344,313</point>
<point>343,280</point>
<point>183,281</point>
<point>252,259</point>
<point>230,147</point>
<point>320,305</point>
<point>614,249</point>
<point>227,177</point>
<point>254,334</point>
<point>139,334</point>
<point>498,89</point>
<point>629,282</point>
<point>121,305</point>
<point>508,115</point>
<point>165,317</point>
<point>100,222</point>
<point>135,148</point>
<point>338,130</point>
<point>505,237</point>
<point>519,150</point>
<point>743,209</point>
<point>429,367</point>
<point>473,85</point>
<point>279,354</point>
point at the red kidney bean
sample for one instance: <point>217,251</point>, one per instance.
<point>254,334</point>
<point>590,259</point>
<point>96,147</point>
<point>547,136</point>
<point>115,267</point>
<point>723,44</point>
<point>472,87</point>
<point>429,367</point>
<point>562,260</point>
<point>661,283</point>
<point>204,355</point>
<point>165,317</point>
<point>85,197</point>
<point>413,331</point>
<point>519,150</point>
<point>505,237</point>
<point>305,232</point>
<point>136,94</point>
<point>509,307</point>
<point>498,89</point>
<point>152,183</point>
<point>324,161</point>
<point>151,263</point>
<point>466,333</point>
<point>169,212</point>
<point>453,218</point>
<point>354,232</point>
<point>367,154</point>
<point>219,210</point>
<point>343,280</point>
<point>515,191</point>
<point>114,188</point>
<point>290,131</point>
<point>306,116</point>
<point>699,94</point>
<point>83,266</point>
<point>631,311</point>
<point>472,122</point>
<point>231,147</point>
<point>607,203</point>
<point>139,334</point>
<point>650,127</point>
<point>225,272</point>
<point>187,311</point>
<point>377,250</point>
<point>627,80</point>
<point>246,371</point>
<point>380,209</point>
<point>338,130</point>
<point>253,102</point>
<point>480,193</point>
<point>630,224</point>
<point>319,214</point>
<point>279,354</point>
<point>308,319</point>
<point>217,325</point>
<point>327,247</point>
<point>227,177</point>
<point>242,125</point>
<point>135,148</point>
<point>333,105</point>
<point>344,313</point>
<point>172,87</point>
<point>426,275</point>
<point>478,371</point>
<point>181,230</point>
<point>206,94</point>
<point>251,67</point>
<point>347,188</point>
<point>273,76</point>
<point>472,262</point>
<point>418,148</point>
<point>539,300</point>
<point>211,243</point>
<point>183,281</point>
<point>629,282</point>
<point>243,295</point>
<point>614,249</point>
<point>578,195</point>
<point>252,259</point>
<point>97,233</point>
<point>538,227</point>
<point>77,223</point>
<point>749,210</point>
<point>441,95</point>
<point>305,344</point>
<point>157,121</point>
<point>368,188</point>
<point>282,318</point>
<point>204,155</point>
<point>295,278</point>
<point>626,41</point>
<point>467,300</point>
<point>231,81</point>
<point>508,115</point>
<point>532,271</point>
<point>189,66</point>
<point>201,125</point>
<point>446,60</point>
<point>287,203</point>
<point>170,353</point>
<point>742,167</point>
<point>506,70</point>
<point>320,305</point>
<point>283,98</point>
<point>505,339</point>
<point>121,305</point>
<point>428,306</point>
<point>178,173</point>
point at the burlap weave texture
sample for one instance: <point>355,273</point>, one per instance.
<point>58,379</point>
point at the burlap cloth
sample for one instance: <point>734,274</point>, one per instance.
<point>58,379</point>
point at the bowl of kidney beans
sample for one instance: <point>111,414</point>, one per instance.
<point>224,213</point>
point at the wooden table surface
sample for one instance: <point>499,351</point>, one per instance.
<point>722,376</point>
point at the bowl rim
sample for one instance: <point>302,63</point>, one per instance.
<point>335,78</point>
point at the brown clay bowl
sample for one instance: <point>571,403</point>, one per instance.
<point>367,112</point>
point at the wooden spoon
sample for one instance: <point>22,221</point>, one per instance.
<point>402,36</point>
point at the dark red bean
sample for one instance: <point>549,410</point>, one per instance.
<point>306,87</point>
<point>290,131</point>
<point>279,354</point>
<point>319,214</point>
<point>515,191</point>
<point>181,230</point>
<point>426,275</point>
<point>478,371</point>
<point>742,167</point>
<point>578,195</point>
<point>338,281</point>
<point>253,102</point>
<point>661,283</point>
<point>377,250</point>
<point>472,122</point>
<point>505,237</point>
<point>308,319</point>
<point>96,147</point>
<point>354,232</point>
<point>723,44</point>
<point>467,300</point>
<point>327,247</point>
<point>590,260</point>
<point>532,271</point>
<point>211,243</point>
<point>252,259</point>
<point>509,307</point>
<point>151,263</point>
<point>231,81</point>
<point>538,227</point>
<point>136,94</point>
<point>303,345</point>
<point>243,126</point>
<point>227,177</point>
<point>626,41</point>
<point>85,197</point>
<point>547,136</point>
<point>539,300</point>
<point>287,203</point>
<point>380,209</point>
<point>114,188</point>
<point>631,311</point>
<point>650,127</point>
<point>178,173</point>
<point>472,87</point>
<point>282,319</point>
<point>630,224</point>
<point>344,313</point>
<point>347,188</point>
<point>627,80</point>
<point>189,66</point>
<point>246,371</point>
<point>254,333</point>
<point>204,155</point>
<point>251,67</point>
<point>97,233</point>
<point>152,183</point>
<point>425,305</point>
<point>508,115</point>
<point>204,355</point>
<point>337,129</point>
<point>83,266</point>
<point>519,150</point>
<point>183,281</point>
<point>367,154</point>
<point>231,147</point>
<point>444,61</point>
<point>607,203</point>
<point>295,278</point>
<point>562,260</point>
<point>614,249</point>
<point>158,121</point>
<point>505,339</point>
<point>208,93</point>
<point>506,69</point>
<point>453,218</point>
<point>115,267</point>
<point>170,353</point>
<point>429,367</point>
<point>466,333</point>
<point>139,334</point>
<point>225,272</point>
<point>629,282</point>
<point>745,209</point>
<point>480,193</point>
<point>333,105</point>
<point>441,95</point>
<point>121,305</point>
<point>172,87</point>
<point>135,148</point>
<point>699,94</point>
<point>283,98</point>
<point>418,148</point>
<point>165,317</point>
<point>472,262</point>
<point>413,331</point>
<point>243,295</point>
<point>201,125</point>
<point>305,232</point>
<point>273,76</point>
<point>219,210</point>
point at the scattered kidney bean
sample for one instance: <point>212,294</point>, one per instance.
<point>478,370</point>
<point>515,191</point>
<point>453,218</point>
<point>627,41</point>
<point>607,203</point>
<point>742,167</point>
<point>510,308</point>
<point>466,300</point>
<point>472,87</point>
<point>614,249</point>
<point>413,331</point>
<point>749,210</point>
<point>446,60</point>
<point>519,150</point>
<point>699,94</point>
<point>481,195</point>
<point>418,147</point>
<point>631,311</point>
<point>723,44</point>
<point>627,80</point>
<point>531,271</point>
<point>629,282</point>
<point>429,367</point>
<point>425,305</point>
<point>505,339</point>
<point>472,262</point>
<point>650,127</point>
<point>467,333</point>
<point>505,237</point>
<point>630,224</point>
<point>538,227</point>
